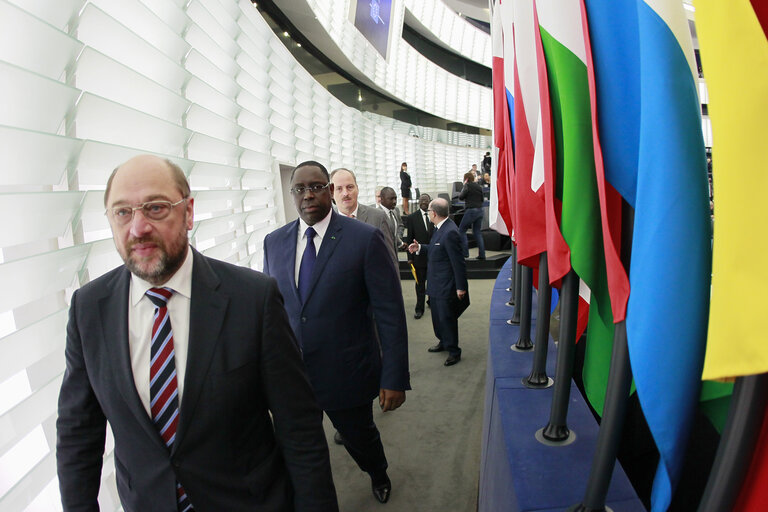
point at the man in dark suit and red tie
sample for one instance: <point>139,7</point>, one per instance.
<point>341,289</point>
<point>446,279</point>
<point>420,228</point>
<point>193,363</point>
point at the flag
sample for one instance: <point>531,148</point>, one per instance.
<point>734,53</point>
<point>500,212</point>
<point>530,229</point>
<point>653,151</point>
<point>561,37</point>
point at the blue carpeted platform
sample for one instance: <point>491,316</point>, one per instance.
<point>517,473</point>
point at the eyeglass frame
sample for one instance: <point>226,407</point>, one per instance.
<point>143,207</point>
<point>315,189</point>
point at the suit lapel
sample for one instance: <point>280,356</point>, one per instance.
<point>330,242</point>
<point>206,318</point>
<point>288,244</point>
<point>113,314</point>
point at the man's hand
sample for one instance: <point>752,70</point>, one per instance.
<point>390,400</point>
<point>413,247</point>
<point>461,293</point>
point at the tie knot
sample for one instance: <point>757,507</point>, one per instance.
<point>159,296</point>
<point>310,233</point>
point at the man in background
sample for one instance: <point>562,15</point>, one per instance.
<point>345,193</point>
<point>446,279</point>
<point>420,228</point>
<point>340,290</point>
<point>394,220</point>
<point>194,365</point>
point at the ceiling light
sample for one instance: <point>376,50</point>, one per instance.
<point>286,34</point>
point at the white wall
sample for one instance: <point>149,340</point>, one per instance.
<point>86,85</point>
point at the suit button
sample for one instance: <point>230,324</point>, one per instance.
<point>303,319</point>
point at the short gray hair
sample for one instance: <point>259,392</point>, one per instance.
<point>354,178</point>
<point>440,206</point>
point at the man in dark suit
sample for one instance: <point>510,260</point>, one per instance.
<point>394,220</point>
<point>185,357</point>
<point>337,277</point>
<point>446,279</point>
<point>420,228</point>
<point>345,193</point>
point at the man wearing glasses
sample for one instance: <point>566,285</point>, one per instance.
<point>340,287</point>
<point>194,365</point>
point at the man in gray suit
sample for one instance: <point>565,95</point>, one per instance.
<point>345,194</point>
<point>193,363</point>
<point>394,220</point>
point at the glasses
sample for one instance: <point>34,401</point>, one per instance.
<point>315,189</point>
<point>152,210</point>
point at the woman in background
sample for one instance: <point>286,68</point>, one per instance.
<point>405,186</point>
<point>472,195</point>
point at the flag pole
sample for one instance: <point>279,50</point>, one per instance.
<point>737,443</point>
<point>524,343</point>
<point>515,320</point>
<point>511,277</point>
<point>538,378</point>
<point>557,431</point>
<point>611,426</point>
<point>616,395</point>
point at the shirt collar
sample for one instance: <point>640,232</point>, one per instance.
<point>441,223</point>
<point>320,227</point>
<point>354,212</point>
<point>180,282</point>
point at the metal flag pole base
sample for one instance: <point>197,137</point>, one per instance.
<point>557,430</point>
<point>524,343</point>
<point>538,378</point>
<point>537,381</point>
<point>559,436</point>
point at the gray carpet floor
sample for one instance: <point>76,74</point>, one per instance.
<point>433,441</point>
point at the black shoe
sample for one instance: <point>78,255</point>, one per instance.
<point>381,487</point>
<point>480,258</point>
<point>452,360</point>
<point>418,314</point>
<point>436,348</point>
<point>337,438</point>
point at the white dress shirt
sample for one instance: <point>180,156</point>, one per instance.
<point>301,242</point>
<point>141,311</point>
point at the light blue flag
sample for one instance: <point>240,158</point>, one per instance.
<point>653,150</point>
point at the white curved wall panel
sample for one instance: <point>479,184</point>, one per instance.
<point>404,67</point>
<point>451,30</point>
<point>87,85</point>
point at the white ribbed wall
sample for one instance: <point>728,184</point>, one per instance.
<point>452,30</point>
<point>86,85</point>
<point>405,74</point>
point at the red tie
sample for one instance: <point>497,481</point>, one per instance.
<point>163,385</point>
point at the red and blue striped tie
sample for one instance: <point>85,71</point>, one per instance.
<point>163,386</point>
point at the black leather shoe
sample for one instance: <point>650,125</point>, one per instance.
<point>381,487</point>
<point>452,360</point>
<point>418,314</point>
<point>337,438</point>
<point>436,348</point>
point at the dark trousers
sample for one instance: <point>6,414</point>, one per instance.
<point>361,437</point>
<point>445,323</point>
<point>473,217</point>
<point>421,286</point>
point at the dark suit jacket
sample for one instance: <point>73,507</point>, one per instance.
<point>242,363</point>
<point>447,270</point>
<point>376,218</point>
<point>414,223</point>
<point>353,281</point>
